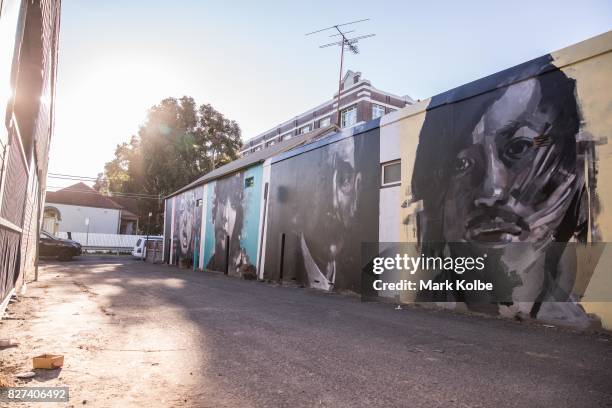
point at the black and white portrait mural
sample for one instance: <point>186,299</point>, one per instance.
<point>509,173</point>
<point>187,226</point>
<point>323,205</point>
<point>232,221</point>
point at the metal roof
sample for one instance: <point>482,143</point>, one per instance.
<point>83,195</point>
<point>257,157</point>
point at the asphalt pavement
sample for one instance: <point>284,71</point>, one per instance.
<point>141,334</point>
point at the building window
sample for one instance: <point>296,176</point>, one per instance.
<point>377,111</point>
<point>270,143</point>
<point>349,116</point>
<point>325,122</point>
<point>286,136</point>
<point>249,182</point>
<point>391,173</point>
<point>304,129</point>
<point>257,148</point>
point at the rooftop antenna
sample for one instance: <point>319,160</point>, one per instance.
<point>345,42</point>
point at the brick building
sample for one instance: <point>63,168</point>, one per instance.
<point>359,102</point>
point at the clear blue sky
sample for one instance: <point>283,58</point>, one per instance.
<point>252,62</point>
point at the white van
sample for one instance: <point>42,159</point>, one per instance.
<point>140,250</point>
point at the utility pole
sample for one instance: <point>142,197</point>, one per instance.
<point>347,42</point>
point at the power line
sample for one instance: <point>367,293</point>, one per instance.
<point>116,195</point>
<point>72,179</point>
<point>110,195</point>
<point>58,175</point>
<point>85,178</point>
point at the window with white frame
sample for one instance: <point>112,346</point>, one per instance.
<point>304,129</point>
<point>391,173</point>
<point>286,136</point>
<point>325,122</point>
<point>349,116</point>
<point>377,111</point>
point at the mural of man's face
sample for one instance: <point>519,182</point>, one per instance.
<point>324,241</point>
<point>503,188</point>
<point>225,220</point>
<point>346,182</point>
<point>186,221</point>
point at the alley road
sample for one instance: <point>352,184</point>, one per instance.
<point>135,334</point>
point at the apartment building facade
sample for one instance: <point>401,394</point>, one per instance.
<point>359,102</point>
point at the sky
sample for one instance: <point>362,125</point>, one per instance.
<point>252,61</point>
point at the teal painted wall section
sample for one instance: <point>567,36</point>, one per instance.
<point>209,238</point>
<point>249,238</point>
<point>233,207</point>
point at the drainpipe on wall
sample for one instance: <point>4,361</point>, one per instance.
<point>41,200</point>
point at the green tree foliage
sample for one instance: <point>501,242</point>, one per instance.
<point>178,143</point>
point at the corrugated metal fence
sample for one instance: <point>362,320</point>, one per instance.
<point>102,241</point>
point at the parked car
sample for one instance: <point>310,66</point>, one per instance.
<point>63,249</point>
<point>140,250</point>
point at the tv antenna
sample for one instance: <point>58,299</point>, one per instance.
<point>345,42</point>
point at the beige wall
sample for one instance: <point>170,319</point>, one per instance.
<point>589,63</point>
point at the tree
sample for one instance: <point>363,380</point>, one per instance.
<point>178,143</point>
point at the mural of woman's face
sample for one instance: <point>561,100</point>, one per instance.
<point>186,223</point>
<point>513,182</point>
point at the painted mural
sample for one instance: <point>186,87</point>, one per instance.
<point>187,226</point>
<point>509,166</point>
<point>515,166</point>
<point>323,204</point>
<point>232,221</point>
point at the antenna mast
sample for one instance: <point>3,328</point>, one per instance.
<point>350,44</point>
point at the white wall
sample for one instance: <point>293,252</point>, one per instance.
<point>389,217</point>
<point>263,219</point>
<point>101,220</point>
<point>390,200</point>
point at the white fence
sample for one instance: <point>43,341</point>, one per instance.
<point>103,241</point>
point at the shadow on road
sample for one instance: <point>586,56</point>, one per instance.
<point>221,341</point>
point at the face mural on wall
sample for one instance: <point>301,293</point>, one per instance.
<point>511,184</point>
<point>319,201</point>
<point>227,213</point>
<point>187,224</point>
<point>321,257</point>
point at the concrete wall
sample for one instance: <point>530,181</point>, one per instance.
<point>101,220</point>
